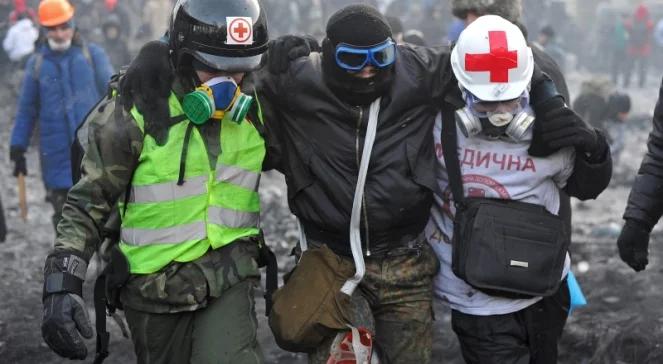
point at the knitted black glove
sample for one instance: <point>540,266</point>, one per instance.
<point>633,244</point>
<point>556,127</point>
<point>17,155</point>
<point>287,48</point>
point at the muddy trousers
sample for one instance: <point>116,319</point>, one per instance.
<point>223,332</point>
<point>394,301</point>
<point>528,336</point>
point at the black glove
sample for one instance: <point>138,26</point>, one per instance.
<point>287,48</point>
<point>633,244</point>
<point>147,84</point>
<point>65,315</point>
<point>17,155</point>
<point>557,126</point>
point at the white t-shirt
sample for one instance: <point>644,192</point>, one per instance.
<point>492,168</point>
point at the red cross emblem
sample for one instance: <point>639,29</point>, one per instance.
<point>498,61</point>
<point>240,30</point>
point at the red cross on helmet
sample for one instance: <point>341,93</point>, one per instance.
<point>492,60</point>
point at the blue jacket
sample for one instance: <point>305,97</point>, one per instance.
<point>59,97</point>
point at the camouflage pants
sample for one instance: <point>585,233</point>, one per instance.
<point>394,301</point>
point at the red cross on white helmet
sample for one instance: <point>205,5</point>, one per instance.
<point>492,60</point>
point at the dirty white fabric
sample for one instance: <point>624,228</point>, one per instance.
<point>492,168</point>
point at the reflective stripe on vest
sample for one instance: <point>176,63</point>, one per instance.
<point>168,190</point>
<point>171,235</point>
<point>167,222</point>
<point>239,177</point>
<point>233,219</point>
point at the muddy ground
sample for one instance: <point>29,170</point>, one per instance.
<point>623,322</point>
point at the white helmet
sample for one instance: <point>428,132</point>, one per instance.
<point>492,60</point>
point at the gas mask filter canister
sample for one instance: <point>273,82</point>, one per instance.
<point>216,99</point>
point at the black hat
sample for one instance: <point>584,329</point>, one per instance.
<point>619,103</point>
<point>362,26</point>
<point>358,25</point>
<point>395,24</point>
<point>548,31</point>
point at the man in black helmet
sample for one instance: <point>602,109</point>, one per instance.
<point>189,239</point>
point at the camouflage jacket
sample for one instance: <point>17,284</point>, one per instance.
<point>112,150</point>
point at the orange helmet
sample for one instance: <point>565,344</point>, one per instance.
<point>55,12</point>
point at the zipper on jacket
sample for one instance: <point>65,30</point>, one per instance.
<point>363,202</point>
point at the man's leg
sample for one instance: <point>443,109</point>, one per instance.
<point>643,63</point>
<point>161,338</point>
<point>362,317</point>
<point>404,306</point>
<point>57,198</point>
<point>545,324</point>
<point>225,331</point>
<point>492,339</point>
<point>629,66</point>
<point>529,336</point>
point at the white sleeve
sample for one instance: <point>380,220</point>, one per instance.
<point>8,42</point>
<point>567,157</point>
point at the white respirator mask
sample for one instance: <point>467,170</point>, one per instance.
<point>514,124</point>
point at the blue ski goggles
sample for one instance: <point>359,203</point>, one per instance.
<point>353,58</point>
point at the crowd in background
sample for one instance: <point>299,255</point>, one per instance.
<point>620,42</point>
<point>119,26</point>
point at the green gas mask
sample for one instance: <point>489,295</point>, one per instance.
<point>216,99</point>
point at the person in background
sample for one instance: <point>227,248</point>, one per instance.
<point>415,37</point>
<point>614,125</point>
<point>640,28</point>
<point>21,10</point>
<point>114,44</point>
<point>618,45</point>
<point>455,28</point>
<point>547,42</point>
<point>63,79</point>
<point>396,26</point>
<point>20,40</point>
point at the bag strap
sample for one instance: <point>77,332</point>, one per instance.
<point>450,151</point>
<point>355,219</point>
<point>103,336</point>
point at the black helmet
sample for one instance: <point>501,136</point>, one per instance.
<point>200,28</point>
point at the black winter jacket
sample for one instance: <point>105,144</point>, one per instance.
<point>645,203</point>
<point>318,140</point>
<point>321,139</point>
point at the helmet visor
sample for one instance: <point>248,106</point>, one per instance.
<point>229,64</point>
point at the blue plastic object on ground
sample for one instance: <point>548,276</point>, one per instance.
<point>577,297</point>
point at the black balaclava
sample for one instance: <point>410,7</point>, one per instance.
<point>362,26</point>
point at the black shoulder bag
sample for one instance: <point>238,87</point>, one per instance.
<point>502,247</point>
